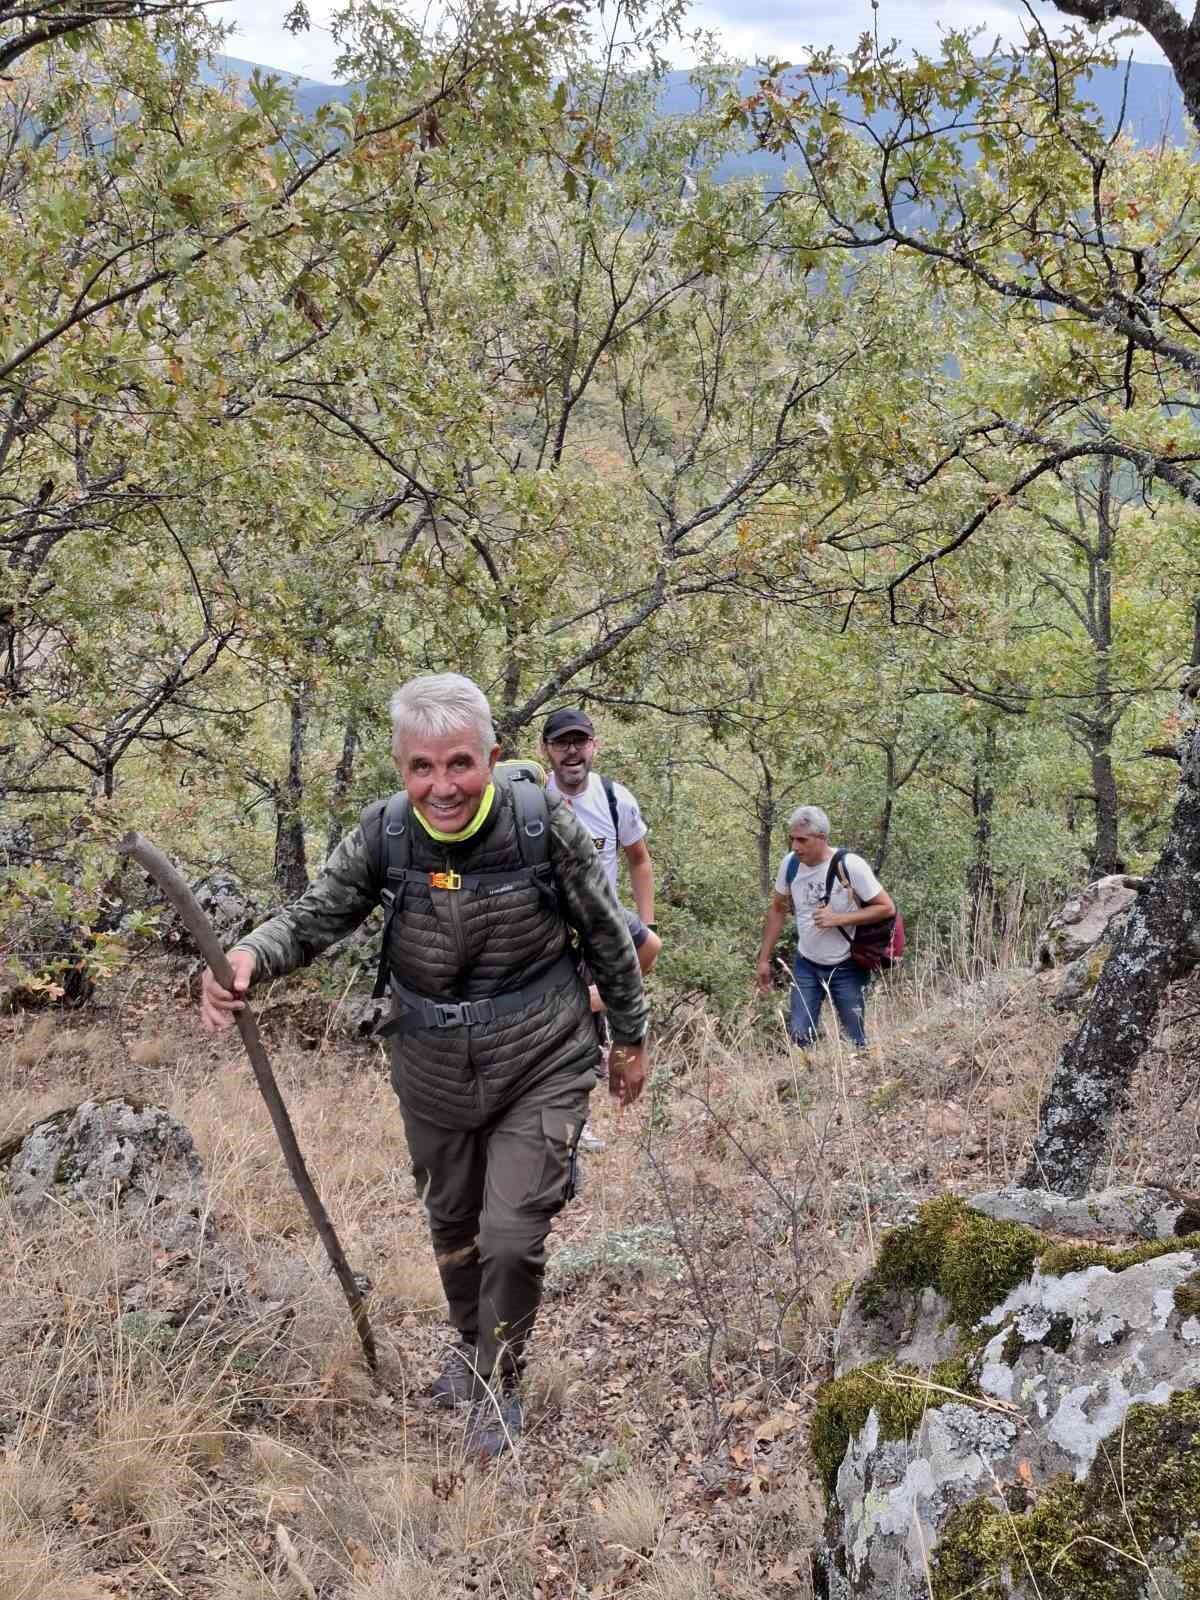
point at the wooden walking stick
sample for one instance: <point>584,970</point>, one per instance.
<point>201,930</point>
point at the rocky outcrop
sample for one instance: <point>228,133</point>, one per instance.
<point>227,906</point>
<point>1077,938</point>
<point>113,1153</point>
<point>1016,1416</point>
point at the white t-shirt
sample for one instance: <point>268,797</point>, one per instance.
<point>826,945</point>
<point>591,807</point>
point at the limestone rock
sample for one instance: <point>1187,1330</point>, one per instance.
<point>111,1153</point>
<point>226,905</point>
<point>1085,918</point>
<point>1125,1212</point>
<point>1010,1413</point>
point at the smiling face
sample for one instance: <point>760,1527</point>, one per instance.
<point>446,776</point>
<point>571,755</point>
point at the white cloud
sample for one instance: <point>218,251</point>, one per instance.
<point>260,36</point>
<point>785,28</point>
<point>749,28</point>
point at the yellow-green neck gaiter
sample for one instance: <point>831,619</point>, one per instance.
<point>472,827</point>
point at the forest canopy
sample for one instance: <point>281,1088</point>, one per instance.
<point>873,485</point>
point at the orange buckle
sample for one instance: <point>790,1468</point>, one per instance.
<point>445,880</point>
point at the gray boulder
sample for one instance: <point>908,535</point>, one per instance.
<point>226,905</point>
<point>1083,920</point>
<point>111,1153</point>
<point>1015,1417</point>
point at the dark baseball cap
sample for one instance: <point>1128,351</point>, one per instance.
<point>567,720</point>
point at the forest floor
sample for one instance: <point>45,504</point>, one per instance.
<point>237,1449</point>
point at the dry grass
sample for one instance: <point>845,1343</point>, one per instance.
<point>28,1571</point>
<point>767,1176</point>
<point>34,1042</point>
<point>634,1514</point>
<point>409,1279</point>
<point>33,1493</point>
<point>152,1051</point>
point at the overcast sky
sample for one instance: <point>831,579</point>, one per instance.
<point>750,28</point>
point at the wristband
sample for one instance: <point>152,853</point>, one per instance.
<point>653,926</point>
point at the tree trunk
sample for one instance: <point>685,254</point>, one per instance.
<point>291,862</point>
<point>883,838</point>
<point>766,829</point>
<point>343,776</point>
<point>1160,942</point>
<point>983,799</point>
<point>1106,856</point>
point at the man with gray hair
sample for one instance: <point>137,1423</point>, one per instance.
<point>493,1047</point>
<point>826,901</point>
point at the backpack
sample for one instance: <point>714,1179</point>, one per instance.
<point>877,946</point>
<point>533,841</point>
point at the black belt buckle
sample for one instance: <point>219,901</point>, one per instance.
<point>450,1014</point>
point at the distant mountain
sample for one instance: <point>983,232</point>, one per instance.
<point>1153,105</point>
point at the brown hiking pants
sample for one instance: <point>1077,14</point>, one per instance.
<point>491,1195</point>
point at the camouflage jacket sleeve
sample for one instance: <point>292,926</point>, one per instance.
<point>593,910</point>
<point>337,901</point>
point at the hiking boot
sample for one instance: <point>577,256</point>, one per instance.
<point>455,1384</point>
<point>494,1425</point>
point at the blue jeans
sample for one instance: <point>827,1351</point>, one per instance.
<point>845,983</point>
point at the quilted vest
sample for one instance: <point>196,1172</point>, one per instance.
<point>461,944</point>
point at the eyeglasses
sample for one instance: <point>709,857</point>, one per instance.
<point>569,741</point>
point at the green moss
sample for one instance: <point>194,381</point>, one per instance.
<point>1187,1296</point>
<point>1060,1259</point>
<point>1091,1540</point>
<point>1013,1345</point>
<point>899,1395</point>
<point>971,1260</point>
<point>1059,1334</point>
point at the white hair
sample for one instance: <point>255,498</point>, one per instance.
<point>438,704</point>
<point>810,817</point>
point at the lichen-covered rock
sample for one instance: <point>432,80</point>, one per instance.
<point>110,1153</point>
<point>1085,918</point>
<point>989,1380</point>
<point>1080,977</point>
<point>1129,1211</point>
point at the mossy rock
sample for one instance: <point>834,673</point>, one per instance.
<point>970,1260</point>
<point>1057,1260</point>
<point>899,1395</point>
<point>1137,1513</point>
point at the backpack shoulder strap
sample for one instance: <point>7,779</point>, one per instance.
<point>793,867</point>
<point>532,818</point>
<point>837,870</point>
<point>610,794</point>
<point>395,858</point>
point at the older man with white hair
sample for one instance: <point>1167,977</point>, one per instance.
<point>830,892</point>
<point>493,1048</point>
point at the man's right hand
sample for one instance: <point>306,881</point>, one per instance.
<point>219,1006</point>
<point>762,975</point>
<point>627,1067</point>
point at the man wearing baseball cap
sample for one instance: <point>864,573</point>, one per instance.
<point>611,815</point>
